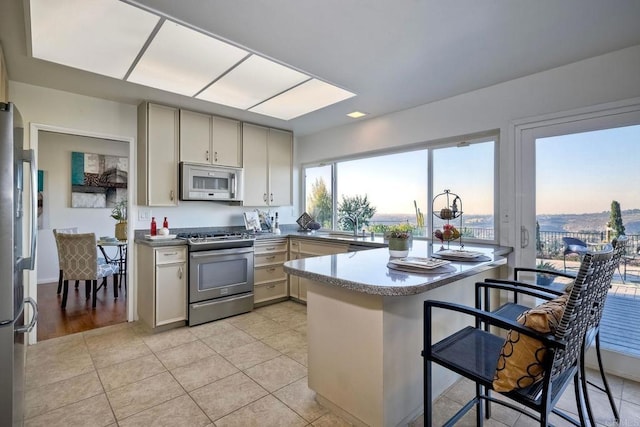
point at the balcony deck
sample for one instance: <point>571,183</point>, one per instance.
<point>620,325</point>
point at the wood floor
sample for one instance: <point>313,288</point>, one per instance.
<point>78,316</point>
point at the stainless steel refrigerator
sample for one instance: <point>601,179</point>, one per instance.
<point>15,201</point>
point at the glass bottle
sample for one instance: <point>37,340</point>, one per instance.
<point>154,230</point>
<point>165,223</point>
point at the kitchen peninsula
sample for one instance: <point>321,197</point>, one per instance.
<point>364,328</point>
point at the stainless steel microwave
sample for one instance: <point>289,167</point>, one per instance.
<point>207,182</point>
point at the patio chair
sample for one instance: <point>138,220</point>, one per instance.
<point>80,262</point>
<point>512,309</point>
<point>559,331</point>
<point>573,246</point>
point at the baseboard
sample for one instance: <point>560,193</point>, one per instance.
<point>619,364</point>
<point>48,280</point>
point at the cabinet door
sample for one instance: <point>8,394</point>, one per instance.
<point>294,281</point>
<point>254,155</point>
<point>171,293</point>
<point>162,156</point>
<point>227,143</point>
<point>280,151</point>
<point>195,137</point>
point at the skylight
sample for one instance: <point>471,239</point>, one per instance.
<point>119,40</point>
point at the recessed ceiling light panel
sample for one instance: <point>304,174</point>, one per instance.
<point>184,61</point>
<point>100,36</point>
<point>356,114</point>
<point>305,98</point>
<point>251,82</point>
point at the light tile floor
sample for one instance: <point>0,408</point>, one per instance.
<point>248,370</point>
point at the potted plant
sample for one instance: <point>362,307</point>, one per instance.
<point>399,236</point>
<point>545,279</point>
<point>119,213</point>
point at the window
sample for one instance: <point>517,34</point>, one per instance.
<point>469,172</point>
<point>397,187</point>
<point>318,201</point>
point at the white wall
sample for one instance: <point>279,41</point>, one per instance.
<point>54,158</point>
<point>63,109</point>
<point>603,79</point>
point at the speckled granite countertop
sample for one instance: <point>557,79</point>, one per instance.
<point>334,237</point>
<point>367,272</point>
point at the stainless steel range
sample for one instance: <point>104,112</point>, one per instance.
<point>220,275</point>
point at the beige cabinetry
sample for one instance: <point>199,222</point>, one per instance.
<point>270,280</point>
<point>210,139</point>
<point>305,248</point>
<point>157,155</point>
<point>267,158</point>
<point>162,285</point>
<point>4,78</point>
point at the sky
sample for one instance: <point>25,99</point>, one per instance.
<point>584,172</point>
<point>393,182</point>
<point>577,173</point>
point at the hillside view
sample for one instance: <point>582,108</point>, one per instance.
<point>589,222</point>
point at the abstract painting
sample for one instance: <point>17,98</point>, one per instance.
<point>43,220</point>
<point>98,180</point>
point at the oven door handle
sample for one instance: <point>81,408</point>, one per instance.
<point>219,252</point>
<point>198,305</point>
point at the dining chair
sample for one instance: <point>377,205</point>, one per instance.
<point>56,231</point>
<point>80,262</point>
<point>573,246</point>
<point>513,308</point>
<point>537,361</point>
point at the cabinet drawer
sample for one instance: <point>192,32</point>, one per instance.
<point>171,255</point>
<point>269,274</point>
<point>266,247</point>
<point>270,258</point>
<point>269,291</point>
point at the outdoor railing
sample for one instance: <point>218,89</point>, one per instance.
<point>551,246</point>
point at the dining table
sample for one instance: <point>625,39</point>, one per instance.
<point>117,257</point>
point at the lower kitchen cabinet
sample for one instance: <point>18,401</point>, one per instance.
<point>305,248</point>
<point>162,285</point>
<point>270,280</point>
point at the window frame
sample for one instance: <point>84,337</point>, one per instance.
<point>430,147</point>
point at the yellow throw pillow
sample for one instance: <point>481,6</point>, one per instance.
<point>521,359</point>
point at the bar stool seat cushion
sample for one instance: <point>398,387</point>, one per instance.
<point>521,359</point>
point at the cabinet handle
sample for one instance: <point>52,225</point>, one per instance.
<point>264,197</point>
<point>271,286</point>
<point>171,195</point>
<point>180,273</point>
<point>272,197</point>
<point>169,253</point>
<point>270,249</point>
<point>271,269</point>
<point>206,153</point>
<point>215,156</point>
<point>271,257</point>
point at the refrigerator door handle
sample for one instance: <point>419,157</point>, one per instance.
<point>29,156</point>
<point>27,328</point>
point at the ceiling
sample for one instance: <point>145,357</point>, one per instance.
<point>393,55</point>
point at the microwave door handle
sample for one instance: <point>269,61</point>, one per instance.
<point>234,183</point>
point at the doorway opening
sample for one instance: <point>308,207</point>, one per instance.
<point>586,195</point>
<point>60,209</point>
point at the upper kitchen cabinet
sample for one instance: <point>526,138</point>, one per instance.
<point>4,79</point>
<point>157,155</point>
<point>209,139</point>
<point>267,155</point>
